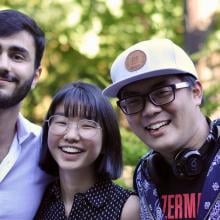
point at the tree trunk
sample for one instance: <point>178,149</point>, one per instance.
<point>198,20</point>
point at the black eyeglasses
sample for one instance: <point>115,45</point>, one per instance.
<point>158,97</point>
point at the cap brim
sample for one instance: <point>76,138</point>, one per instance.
<point>113,89</point>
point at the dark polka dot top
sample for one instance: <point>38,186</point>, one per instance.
<point>104,201</point>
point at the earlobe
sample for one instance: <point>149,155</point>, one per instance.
<point>198,92</point>
<point>36,77</point>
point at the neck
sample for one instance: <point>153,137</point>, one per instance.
<point>8,118</point>
<point>73,182</point>
<point>200,135</point>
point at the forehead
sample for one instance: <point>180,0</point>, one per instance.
<point>21,39</point>
<point>59,108</point>
<point>148,84</point>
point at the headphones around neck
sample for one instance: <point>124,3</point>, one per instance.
<point>187,164</point>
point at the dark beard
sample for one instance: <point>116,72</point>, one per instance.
<point>17,96</point>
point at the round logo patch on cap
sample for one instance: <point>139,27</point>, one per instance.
<point>135,60</point>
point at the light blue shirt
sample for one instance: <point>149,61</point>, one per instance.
<point>22,182</point>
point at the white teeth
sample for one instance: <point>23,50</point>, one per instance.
<point>157,126</point>
<point>71,150</point>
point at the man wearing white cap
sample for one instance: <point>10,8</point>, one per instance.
<point>160,94</point>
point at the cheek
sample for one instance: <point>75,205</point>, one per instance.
<point>134,121</point>
<point>98,150</point>
<point>25,72</point>
<point>97,143</point>
<point>52,141</point>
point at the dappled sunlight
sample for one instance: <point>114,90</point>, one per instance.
<point>115,7</point>
<point>90,44</point>
<point>41,109</point>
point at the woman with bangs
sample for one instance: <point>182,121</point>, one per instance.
<point>82,149</point>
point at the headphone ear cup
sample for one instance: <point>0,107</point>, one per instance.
<point>152,167</point>
<point>188,163</point>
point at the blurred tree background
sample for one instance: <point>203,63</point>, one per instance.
<point>85,36</point>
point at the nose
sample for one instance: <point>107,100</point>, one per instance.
<point>150,109</point>
<point>72,132</point>
<point>4,62</point>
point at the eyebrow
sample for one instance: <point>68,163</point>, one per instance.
<point>19,49</point>
<point>152,87</point>
<point>160,84</point>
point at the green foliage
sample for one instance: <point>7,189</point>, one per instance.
<point>211,103</point>
<point>133,148</point>
<point>122,183</point>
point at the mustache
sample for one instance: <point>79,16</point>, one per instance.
<point>5,75</point>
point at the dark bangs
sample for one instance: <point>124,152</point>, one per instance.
<point>80,103</point>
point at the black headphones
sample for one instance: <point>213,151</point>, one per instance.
<point>187,164</point>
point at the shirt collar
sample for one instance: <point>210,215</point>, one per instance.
<point>96,196</point>
<point>26,129</point>
<point>99,193</point>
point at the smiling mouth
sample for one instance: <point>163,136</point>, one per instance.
<point>157,126</point>
<point>71,150</point>
<point>8,78</point>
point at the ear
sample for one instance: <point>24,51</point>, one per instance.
<point>197,92</point>
<point>36,77</point>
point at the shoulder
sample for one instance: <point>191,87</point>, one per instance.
<point>131,209</point>
<point>139,167</point>
<point>48,203</point>
<point>121,192</point>
<point>51,193</point>
<point>130,203</point>
<point>25,126</point>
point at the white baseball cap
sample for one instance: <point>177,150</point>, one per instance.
<point>147,59</point>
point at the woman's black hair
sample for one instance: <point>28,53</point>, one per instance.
<point>85,100</point>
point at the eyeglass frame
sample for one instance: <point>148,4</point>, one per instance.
<point>174,87</point>
<point>70,122</point>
